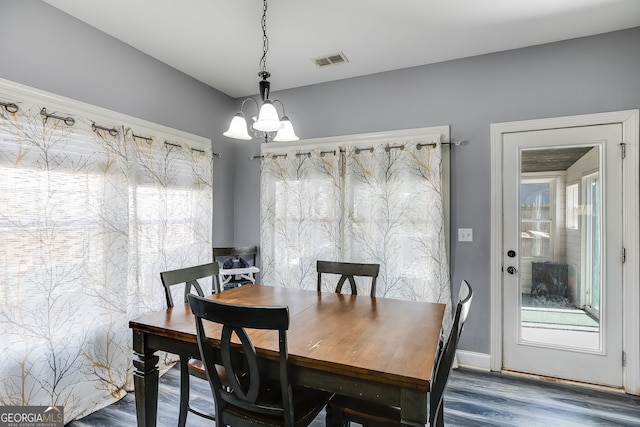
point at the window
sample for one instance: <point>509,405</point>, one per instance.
<point>591,239</point>
<point>88,217</point>
<point>572,206</point>
<point>372,198</point>
<point>536,214</point>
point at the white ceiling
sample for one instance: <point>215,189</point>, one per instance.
<point>219,42</point>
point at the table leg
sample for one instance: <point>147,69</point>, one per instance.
<point>413,408</point>
<point>145,381</point>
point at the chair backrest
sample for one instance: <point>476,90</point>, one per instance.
<point>348,270</point>
<point>447,354</point>
<point>189,276</point>
<point>243,385</point>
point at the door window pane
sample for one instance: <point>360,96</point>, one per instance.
<point>536,239</point>
<point>536,217</point>
<point>535,200</point>
<point>559,268</point>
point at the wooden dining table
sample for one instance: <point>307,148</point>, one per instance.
<point>378,349</point>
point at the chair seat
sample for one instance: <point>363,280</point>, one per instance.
<point>196,368</point>
<point>364,412</point>
<point>305,403</point>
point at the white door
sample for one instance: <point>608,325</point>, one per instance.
<point>563,253</point>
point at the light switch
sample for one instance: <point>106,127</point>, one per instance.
<point>465,234</point>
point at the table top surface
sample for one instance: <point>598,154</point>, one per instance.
<point>379,339</point>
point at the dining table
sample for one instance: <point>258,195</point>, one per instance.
<point>377,349</point>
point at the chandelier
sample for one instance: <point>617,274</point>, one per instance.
<point>268,125</point>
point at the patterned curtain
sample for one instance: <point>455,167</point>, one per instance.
<point>377,205</point>
<point>88,219</point>
<point>301,214</point>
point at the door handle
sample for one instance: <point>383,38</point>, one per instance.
<point>511,270</point>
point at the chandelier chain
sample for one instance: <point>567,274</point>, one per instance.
<point>268,124</point>
<point>265,41</point>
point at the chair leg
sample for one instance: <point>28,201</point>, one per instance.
<point>184,392</point>
<point>439,421</point>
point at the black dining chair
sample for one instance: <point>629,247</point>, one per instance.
<point>342,410</point>
<point>348,271</point>
<point>192,365</point>
<point>256,397</point>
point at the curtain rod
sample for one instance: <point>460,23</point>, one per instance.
<point>197,150</point>
<point>69,121</point>
<point>146,138</point>
<point>112,131</point>
<point>10,107</point>
<point>275,156</point>
<point>387,148</point>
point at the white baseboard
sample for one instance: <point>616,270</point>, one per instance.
<point>471,359</point>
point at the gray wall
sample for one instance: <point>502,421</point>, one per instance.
<point>47,49</point>
<point>587,75</point>
<point>581,76</point>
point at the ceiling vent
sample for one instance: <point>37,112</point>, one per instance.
<point>334,59</point>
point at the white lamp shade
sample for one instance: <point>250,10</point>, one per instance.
<point>268,120</point>
<point>238,128</point>
<point>287,133</point>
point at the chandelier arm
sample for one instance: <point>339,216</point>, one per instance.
<point>281,104</point>
<point>249,99</point>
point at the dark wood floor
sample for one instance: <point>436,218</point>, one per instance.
<point>472,399</point>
